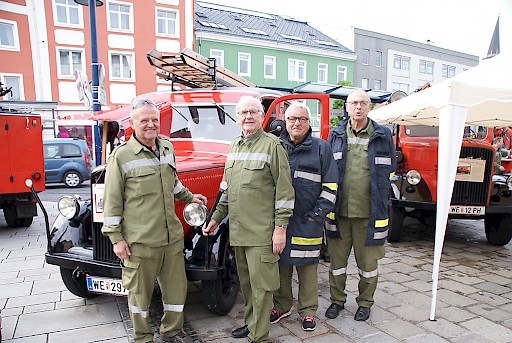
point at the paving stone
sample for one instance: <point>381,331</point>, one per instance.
<point>346,325</point>
<point>67,319</point>
<point>15,289</point>
<point>45,286</point>
<point>425,338</point>
<point>89,334</point>
<point>457,287</point>
<point>400,329</point>
<point>443,328</point>
<point>328,338</point>
<point>402,268</point>
<point>419,285</point>
<point>454,299</point>
<point>21,265</point>
<point>379,337</point>
<point>31,339</point>
<point>489,298</point>
<point>39,308</point>
<point>396,277</point>
<point>454,314</point>
<point>391,287</point>
<point>11,282</point>
<point>70,303</point>
<point>422,275</point>
<point>33,299</point>
<point>28,252</point>
<point>16,311</point>
<point>490,312</point>
<point>472,338</point>
<point>489,329</point>
<point>410,313</point>
<point>492,288</point>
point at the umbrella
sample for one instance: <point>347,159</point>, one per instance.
<point>481,96</point>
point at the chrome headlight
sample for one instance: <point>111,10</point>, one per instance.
<point>195,214</point>
<point>413,177</point>
<point>509,182</point>
<point>69,207</point>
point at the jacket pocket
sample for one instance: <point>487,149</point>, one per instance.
<point>144,181</point>
<point>252,174</point>
<point>131,274</point>
<point>269,273</point>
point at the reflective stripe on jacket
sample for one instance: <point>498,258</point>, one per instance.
<point>314,179</point>
<point>139,195</point>
<point>260,192</point>
<point>382,162</point>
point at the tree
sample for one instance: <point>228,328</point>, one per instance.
<point>339,104</point>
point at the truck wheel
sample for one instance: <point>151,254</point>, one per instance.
<point>11,217</point>
<point>220,295</point>
<point>72,179</point>
<point>396,220</point>
<point>498,228</point>
<point>76,285</point>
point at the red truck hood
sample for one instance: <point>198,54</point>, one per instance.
<point>199,154</point>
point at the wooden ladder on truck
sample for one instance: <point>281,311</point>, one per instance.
<point>194,70</point>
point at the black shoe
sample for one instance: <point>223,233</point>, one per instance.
<point>240,332</point>
<point>362,314</point>
<point>334,310</point>
<point>327,258</point>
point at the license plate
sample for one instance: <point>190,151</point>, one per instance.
<point>104,285</point>
<point>467,210</point>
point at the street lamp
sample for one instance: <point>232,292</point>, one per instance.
<point>95,86</point>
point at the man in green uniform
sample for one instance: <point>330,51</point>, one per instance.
<point>141,184</point>
<point>259,200</point>
<point>365,156</point>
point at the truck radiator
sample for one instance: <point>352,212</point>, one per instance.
<point>102,246</point>
<point>474,193</point>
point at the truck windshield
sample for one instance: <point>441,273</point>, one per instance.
<point>472,132</point>
<point>204,122</point>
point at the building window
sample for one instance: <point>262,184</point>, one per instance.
<point>122,66</point>
<point>365,57</point>
<point>14,82</point>
<point>296,70</point>
<point>378,58</point>
<point>426,67</point>
<point>9,39</point>
<point>244,64</point>
<point>322,72</point>
<point>401,62</point>
<point>67,12</point>
<point>69,61</point>
<point>378,84</point>
<point>404,87</point>
<point>219,57</point>
<point>341,74</point>
<point>166,22</point>
<point>269,67</point>
<point>448,71</point>
<point>364,83</point>
<point>120,16</point>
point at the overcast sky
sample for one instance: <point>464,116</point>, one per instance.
<point>460,25</point>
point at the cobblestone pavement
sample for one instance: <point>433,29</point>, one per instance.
<point>474,302</point>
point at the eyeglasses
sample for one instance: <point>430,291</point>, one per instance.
<point>355,103</point>
<point>252,112</point>
<point>301,120</point>
<point>141,102</point>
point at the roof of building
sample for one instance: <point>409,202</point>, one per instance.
<point>232,21</point>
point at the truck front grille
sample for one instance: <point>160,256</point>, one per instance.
<point>102,246</point>
<point>474,193</point>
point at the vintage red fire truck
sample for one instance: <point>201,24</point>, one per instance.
<point>200,122</point>
<point>21,158</point>
<point>477,193</point>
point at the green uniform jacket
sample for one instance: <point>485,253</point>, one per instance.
<point>139,195</point>
<point>260,193</point>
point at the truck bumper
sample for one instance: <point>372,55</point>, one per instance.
<point>431,206</point>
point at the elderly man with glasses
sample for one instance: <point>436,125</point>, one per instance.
<point>314,179</point>
<point>259,200</point>
<point>365,157</point>
<point>141,184</point>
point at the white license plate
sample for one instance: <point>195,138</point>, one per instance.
<point>104,285</point>
<point>467,210</point>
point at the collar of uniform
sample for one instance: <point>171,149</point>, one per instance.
<point>137,146</point>
<point>306,143</point>
<point>252,137</point>
<point>368,128</point>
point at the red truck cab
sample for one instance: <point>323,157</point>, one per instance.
<point>21,158</point>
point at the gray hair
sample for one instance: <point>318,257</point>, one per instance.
<point>297,104</point>
<point>248,98</point>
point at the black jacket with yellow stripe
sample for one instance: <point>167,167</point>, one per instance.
<point>382,162</point>
<point>314,179</point>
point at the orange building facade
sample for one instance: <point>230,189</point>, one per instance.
<point>43,43</point>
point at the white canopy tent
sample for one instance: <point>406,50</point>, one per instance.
<point>480,96</point>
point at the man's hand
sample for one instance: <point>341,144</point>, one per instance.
<point>210,229</point>
<point>278,240</point>
<point>199,199</point>
<point>122,250</point>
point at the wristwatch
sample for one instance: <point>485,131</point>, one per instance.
<point>282,227</point>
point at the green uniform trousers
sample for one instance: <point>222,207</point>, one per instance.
<point>308,289</point>
<point>353,234</point>
<point>166,265</point>
<point>258,271</point>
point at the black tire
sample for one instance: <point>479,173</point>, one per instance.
<point>77,286</point>
<point>396,220</point>
<point>12,220</point>
<point>72,179</point>
<point>498,228</point>
<point>220,295</point>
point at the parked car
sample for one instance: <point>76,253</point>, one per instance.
<point>67,161</point>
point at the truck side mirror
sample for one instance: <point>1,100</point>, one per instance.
<point>277,126</point>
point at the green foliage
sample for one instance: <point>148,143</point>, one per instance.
<point>335,120</point>
<point>338,104</point>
